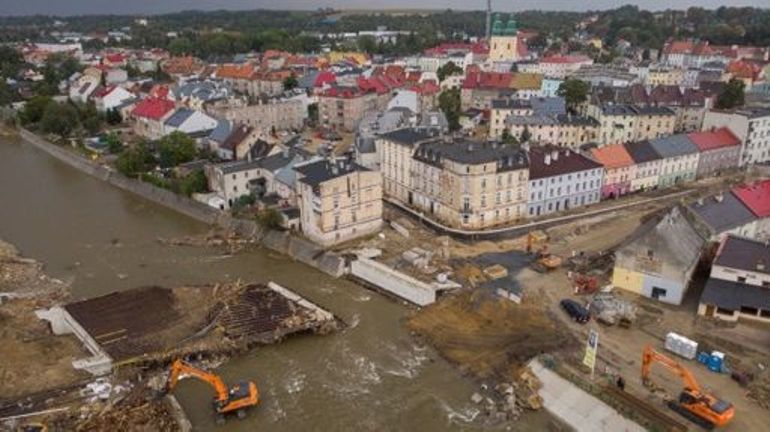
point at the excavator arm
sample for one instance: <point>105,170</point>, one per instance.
<point>650,356</point>
<point>180,369</point>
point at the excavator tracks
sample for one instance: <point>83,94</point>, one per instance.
<point>684,412</point>
<point>661,420</point>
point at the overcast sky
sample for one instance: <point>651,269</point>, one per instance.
<point>76,7</point>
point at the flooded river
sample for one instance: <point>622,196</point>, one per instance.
<point>371,376</point>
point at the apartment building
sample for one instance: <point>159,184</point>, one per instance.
<point>739,284</point>
<point>720,150</point>
<point>395,150</point>
<point>620,123</point>
<point>338,200</point>
<point>342,108</point>
<point>504,108</point>
<point>274,114</point>
<point>648,164</point>
<point>564,130</point>
<point>750,125</point>
<point>557,66</point>
<point>561,179</point>
<point>469,184</point>
<point>619,170</point>
<point>679,159</point>
<point>149,115</point>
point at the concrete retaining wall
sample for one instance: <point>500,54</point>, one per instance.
<point>384,277</point>
<point>297,248</point>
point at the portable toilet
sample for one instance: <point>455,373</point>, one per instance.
<point>716,361</point>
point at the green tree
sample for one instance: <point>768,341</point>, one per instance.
<point>574,92</point>
<point>448,69</point>
<point>114,145</point>
<point>367,44</point>
<point>33,109</point>
<point>733,95</point>
<point>290,82</point>
<point>449,103</point>
<point>180,46</point>
<point>195,182</point>
<point>509,139</point>
<point>59,119</point>
<point>91,118</point>
<point>176,148</point>
<point>7,95</point>
<point>134,161</point>
<point>243,201</point>
<point>11,62</point>
<point>270,218</point>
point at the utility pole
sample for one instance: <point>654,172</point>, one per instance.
<point>489,18</point>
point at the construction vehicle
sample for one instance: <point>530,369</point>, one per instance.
<point>703,409</point>
<point>233,400</point>
<point>537,242</point>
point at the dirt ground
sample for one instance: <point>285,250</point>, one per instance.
<point>487,336</point>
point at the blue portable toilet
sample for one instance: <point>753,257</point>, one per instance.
<point>703,358</point>
<point>716,361</point>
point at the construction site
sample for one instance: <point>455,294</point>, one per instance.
<point>509,311</point>
<point>98,363</point>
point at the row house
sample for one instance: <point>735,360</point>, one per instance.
<point>664,76</point>
<point>756,197</point>
<point>619,170</point>
<point>739,284</point>
<point>750,125</point>
<point>561,179</point>
<point>558,66</point>
<point>679,159</point>
<point>647,163</point>
<point>720,150</point>
<point>338,200</point>
<point>149,115</point>
<point>469,184</point>
<point>565,130</point>
<point>504,108</point>
<point>624,122</point>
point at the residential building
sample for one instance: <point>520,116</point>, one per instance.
<point>659,259</point>
<point>679,159</point>
<point>200,94</point>
<point>604,75</point>
<point>654,122</point>
<point>479,89</point>
<point>232,180</point>
<point>720,150</point>
<point>235,143</point>
<point>620,123</point>
<point>149,115</point>
<point>81,89</point>
<point>273,114</point>
<point>469,184</point>
<point>372,124</point>
<point>564,130</point>
<point>750,125</point>
<point>756,197</point>
<point>339,200</point>
<point>561,179</point>
<point>342,108</point>
<point>396,150</point>
<point>647,163</point>
<point>189,122</point>
<point>666,76</point>
<point>110,97</point>
<point>504,108</point>
<point>557,66</point>
<point>619,169</point>
<point>739,284</point>
<point>721,215</point>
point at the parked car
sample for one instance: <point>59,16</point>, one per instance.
<point>576,311</point>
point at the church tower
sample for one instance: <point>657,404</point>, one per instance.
<point>504,42</point>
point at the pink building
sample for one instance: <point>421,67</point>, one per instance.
<point>619,168</point>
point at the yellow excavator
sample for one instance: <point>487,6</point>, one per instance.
<point>703,409</point>
<point>233,400</point>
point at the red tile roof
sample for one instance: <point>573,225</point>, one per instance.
<point>324,77</point>
<point>231,71</point>
<point>756,197</point>
<point>678,47</point>
<point>711,140</point>
<point>103,91</point>
<point>153,108</point>
<point>613,156</point>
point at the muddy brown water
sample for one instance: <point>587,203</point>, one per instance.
<point>371,376</point>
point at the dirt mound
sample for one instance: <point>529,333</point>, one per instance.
<point>486,335</point>
<point>147,416</point>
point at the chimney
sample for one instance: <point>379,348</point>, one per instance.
<point>335,170</point>
<point>555,155</point>
<point>719,198</point>
<point>760,265</point>
<point>470,147</point>
<point>547,159</point>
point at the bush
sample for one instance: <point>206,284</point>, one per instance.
<point>270,219</point>
<point>243,201</point>
<point>176,148</point>
<point>195,182</point>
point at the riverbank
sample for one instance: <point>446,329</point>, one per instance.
<point>286,243</point>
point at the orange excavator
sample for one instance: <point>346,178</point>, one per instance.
<point>228,400</point>
<point>703,409</point>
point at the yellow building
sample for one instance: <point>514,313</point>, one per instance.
<point>339,200</point>
<point>504,41</point>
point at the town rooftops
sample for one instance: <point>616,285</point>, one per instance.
<point>733,296</point>
<point>153,108</point>
<point>550,119</point>
<point>714,139</point>
<point>472,153</point>
<point>619,110</point>
<point>237,166</point>
<point>317,172</point>
<point>221,131</point>
<point>642,151</point>
<point>409,136</point>
<point>549,161</point>
<point>722,212</point>
<point>566,59</point>
<point>179,117</point>
<point>744,254</point>
<point>613,156</point>
<point>749,112</point>
<point>673,146</point>
<point>237,135</point>
<point>756,197</point>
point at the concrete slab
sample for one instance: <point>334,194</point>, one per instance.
<point>576,407</point>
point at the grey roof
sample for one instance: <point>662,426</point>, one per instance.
<point>566,161</point>
<point>472,153</point>
<point>651,110</point>
<point>287,175</point>
<point>203,90</point>
<point>179,117</point>
<point>307,81</point>
<point>277,161</point>
<point>510,103</point>
<point>722,215</point>
<point>667,246</point>
<point>641,151</point>
<point>221,131</point>
<point>434,119</point>
<point>733,295</point>
<point>409,136</point>
<point>549,105</point>
<point>745,254</point>
<point>315,173</point>
<point>674,145</point>
<point>365,144</point>
<point>551,119</point>
<point>619,109</point>
<point>237,166</point>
